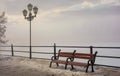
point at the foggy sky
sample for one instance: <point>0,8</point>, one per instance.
<point>65,22</point>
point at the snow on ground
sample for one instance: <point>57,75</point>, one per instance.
<point>19,66</point>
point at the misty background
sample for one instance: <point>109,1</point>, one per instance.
<point>65,22</point>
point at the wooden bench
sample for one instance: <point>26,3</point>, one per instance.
<point>90,60</point>
<point>61,54</point>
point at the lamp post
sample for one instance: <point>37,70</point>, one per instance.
<point>28,16</point>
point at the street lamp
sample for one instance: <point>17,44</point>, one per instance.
<point>30,17</point>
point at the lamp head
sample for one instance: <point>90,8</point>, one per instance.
<point>30,6</point>
<point>25,12</point>
<point>35,10</point>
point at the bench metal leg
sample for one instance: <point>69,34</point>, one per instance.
<point>50,64</point>
<point>65,66</point>
<point>57,64</point>
<point>72,67</point>
<point>87,68</point>
<point>92,68</point>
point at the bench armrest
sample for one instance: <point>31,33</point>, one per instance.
<point>71,59</point>
<point>53,57</point>
<point>89,62</point>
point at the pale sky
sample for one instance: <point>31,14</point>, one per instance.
<point>65,22</point>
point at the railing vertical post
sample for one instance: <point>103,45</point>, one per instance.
<point>91,49</point>
<point>54,51</point>
<point>30,52</point>
<point>12,50</point>
<point>91,52</point>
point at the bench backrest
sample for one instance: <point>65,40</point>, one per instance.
<point>74,55</point>
<point>66,54</point>
<point>85,56</point>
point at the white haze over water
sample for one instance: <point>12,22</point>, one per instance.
<point>65,22</point>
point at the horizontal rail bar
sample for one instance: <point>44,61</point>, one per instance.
<point>43,52</point>
<point>5,54</point>
<point>22,51</point>
<point>74,46</point>
<point>42,46</point>
<point>107,65</point>
<point>5,46</point>
<point>5,50</point>
<point>25,46</point>
<point>108,56</point>
<point>88,46</point>
<point>107,47</point>
<point>35,52</point>
<point>14,51</point>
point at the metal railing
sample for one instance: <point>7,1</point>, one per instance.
<point>55,53</point>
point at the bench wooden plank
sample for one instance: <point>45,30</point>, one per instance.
<point>84,56</point>
<point>77,63</point>
<point>66,55</point>
<point>59,61</point>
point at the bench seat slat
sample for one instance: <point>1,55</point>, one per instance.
<point>77,64</point>
<point>59,61</point>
